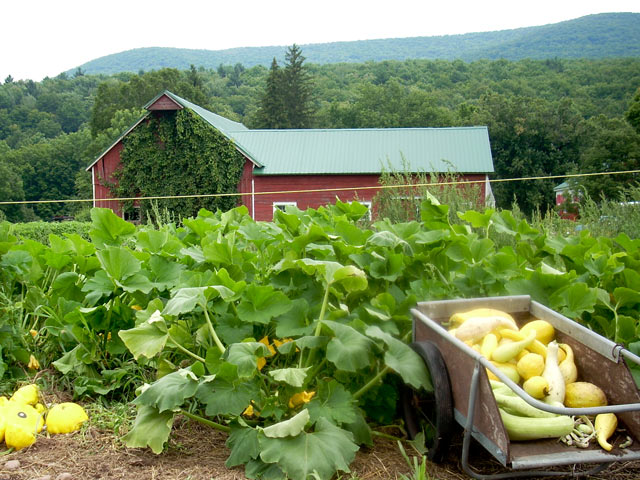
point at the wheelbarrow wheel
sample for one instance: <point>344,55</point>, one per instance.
<point>430,412</point>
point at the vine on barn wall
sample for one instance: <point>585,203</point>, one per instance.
<point>178,153</point>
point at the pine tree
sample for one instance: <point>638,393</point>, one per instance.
<point>271,113</point>
<point>298,90</point>
<point>287,100</point>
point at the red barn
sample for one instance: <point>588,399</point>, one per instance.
<point>311,167</point>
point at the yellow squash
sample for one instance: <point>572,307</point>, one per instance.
<point>537,387</point>
<point>509,350</point>
<point>65,418</point>
<point>509,369</point>
<point>568,366</point>
<point>21,425</point>
<point>28,394</point>
<point>489,344</point>
<point>461,317</point>
<point>475,328</point>
<point>553,375</point>
<point>544,330</point>
<point>583,395</point>
<point>530,365</point>
<point>605,425</point>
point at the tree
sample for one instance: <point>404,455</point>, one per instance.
<point>10,187</point>
<point>298,90</point>
<point>271,113</point>
<point>392,105</point>
<point>287,100</point>
<point>235,76</point>
<point>530,137</point>
<point>633,114</point>
<point>609,145</point>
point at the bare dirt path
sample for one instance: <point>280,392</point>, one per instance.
<point>196,452</point>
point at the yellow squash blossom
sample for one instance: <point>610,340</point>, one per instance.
<point>249,412</point>
<point>277,342</point>
<point>33,333</point>
<point>262,361</point>
<point>300,398</point>
<point>33,363</point>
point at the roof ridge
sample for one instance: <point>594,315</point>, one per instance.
<point>372,129</point>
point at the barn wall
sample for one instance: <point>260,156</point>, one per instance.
<point>256,190</point>
<point>260,204</point>
<point>103,170</point>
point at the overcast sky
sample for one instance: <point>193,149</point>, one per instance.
<point>46,37</point>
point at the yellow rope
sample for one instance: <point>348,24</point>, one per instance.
<point>333,189</point>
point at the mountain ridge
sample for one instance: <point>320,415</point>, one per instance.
<point>591,36</point>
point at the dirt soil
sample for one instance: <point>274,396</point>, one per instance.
<point>196,452</point>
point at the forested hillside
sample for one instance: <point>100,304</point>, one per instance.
<point>594,36</point>
<point>545,117</point>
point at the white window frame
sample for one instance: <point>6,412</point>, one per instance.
<point>283,205</point>
<point>368,204</point>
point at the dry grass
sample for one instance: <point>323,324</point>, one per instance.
<point>196,452</point>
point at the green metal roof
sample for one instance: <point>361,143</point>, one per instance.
<point>368,151</point>
<point>349,151</point>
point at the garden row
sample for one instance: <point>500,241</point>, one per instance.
<point>290,335</point>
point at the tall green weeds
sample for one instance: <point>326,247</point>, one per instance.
<point>403,192</point>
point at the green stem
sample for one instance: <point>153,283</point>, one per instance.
<point>212,330</point>
<point>205,421</point>
<point>371,383</point>
<point>185,351</point>
<point>317,369</point>
<point>316,333</point>
<point>386,435</point>
<point>323,309</point>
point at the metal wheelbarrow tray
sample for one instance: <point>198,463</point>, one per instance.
<point>471,403</point>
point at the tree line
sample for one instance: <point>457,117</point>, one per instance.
<point>545,117</point>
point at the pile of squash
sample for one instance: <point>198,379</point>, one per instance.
<point>531,357</point>
<point>23,416</point>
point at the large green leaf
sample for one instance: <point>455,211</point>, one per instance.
<point>170,391</point>
<point>291,376</point>
<point>334,402</point>
<point>225,398</point>
<point>108,228</point>
<point>186,299</point>
<point>164,273</point>
<point>351,278</point>
<point>244,446</point>
<point>574,299</point>
<point>150,429</point>
<point>626,297</point>
<point>323,452</point>
<point>260,304</point>
<point>136,283</point>
<point>98,286</point>
<point>348,350</point>
<point>403,360</point>
<point>148,338</point>
<point>118,262</point>
<point>295,322</point>
<point>288,428</point>
<point>245,356</point>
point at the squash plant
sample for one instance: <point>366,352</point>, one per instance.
<point>270,346</point>
<point>288,334</point>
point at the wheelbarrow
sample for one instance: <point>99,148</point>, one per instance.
<point>462,393</point>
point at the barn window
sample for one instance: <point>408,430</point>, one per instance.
<point>283,205</point>
<point>132,214</point>
<point>368,205</point>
